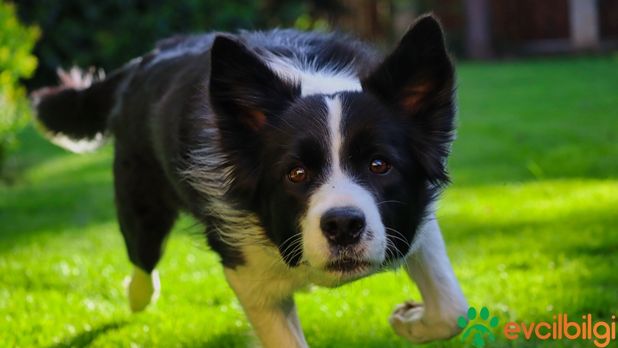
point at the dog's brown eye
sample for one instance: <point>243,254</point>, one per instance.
<point>297,175</point>
<point>379,166</point>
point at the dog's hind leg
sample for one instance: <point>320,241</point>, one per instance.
<point>444,302</point>
<point>146,211</point>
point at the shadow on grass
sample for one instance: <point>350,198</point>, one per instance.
<point>241,339</point>
<point>84,338</point>
<point>579,233</point>
<point>63,206</point>
<point>66,192</point>
<point>230,339</point>
<point>569,260</point>
<point>32,148</point>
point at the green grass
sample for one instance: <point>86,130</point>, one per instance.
<point>530,221</point>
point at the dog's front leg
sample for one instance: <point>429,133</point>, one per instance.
<point>270,310</point>
<point>444,302</point>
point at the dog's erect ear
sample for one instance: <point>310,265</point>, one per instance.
<point>417,71</point>
<point>244,91</point>
<point>417,79</point>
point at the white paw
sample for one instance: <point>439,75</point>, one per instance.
<point>142,289</point>
<point>410,322</point>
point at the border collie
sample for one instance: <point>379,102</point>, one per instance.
<point>309,158</point>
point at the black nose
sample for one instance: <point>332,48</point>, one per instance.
<point>343,226</point>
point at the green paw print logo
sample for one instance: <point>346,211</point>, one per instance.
<point>481,329</point>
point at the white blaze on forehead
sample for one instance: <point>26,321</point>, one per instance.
<point>340,190</point>
<point>334,130</point>
<point>312,80</point>
<point>327,84</point>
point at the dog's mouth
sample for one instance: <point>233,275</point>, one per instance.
<point>348,265</point>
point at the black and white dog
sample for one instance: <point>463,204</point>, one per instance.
<point>309,158</point>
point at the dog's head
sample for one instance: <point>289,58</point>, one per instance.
<point>340,180</point>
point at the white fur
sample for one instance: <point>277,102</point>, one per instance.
<point>444,302</point>
<point>313,80</point>
<point>265,285</point>
<point>340,190</point>
<point>78,145</point>
<point>79,79</point>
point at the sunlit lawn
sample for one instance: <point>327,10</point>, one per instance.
<point>531,223</point>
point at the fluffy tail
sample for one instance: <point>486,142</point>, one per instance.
<point>75,114</point>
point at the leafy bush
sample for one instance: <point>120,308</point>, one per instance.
<point>16,62</point>
<point>106,34</point>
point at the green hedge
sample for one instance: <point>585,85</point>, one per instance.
<point>16,62</point>
<point>107,34</point>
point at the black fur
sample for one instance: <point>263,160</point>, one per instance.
<point>77,113</point>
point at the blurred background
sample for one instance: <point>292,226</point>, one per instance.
<point>105,34</point>
<point>108,33</point>
<point>530,220</point>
